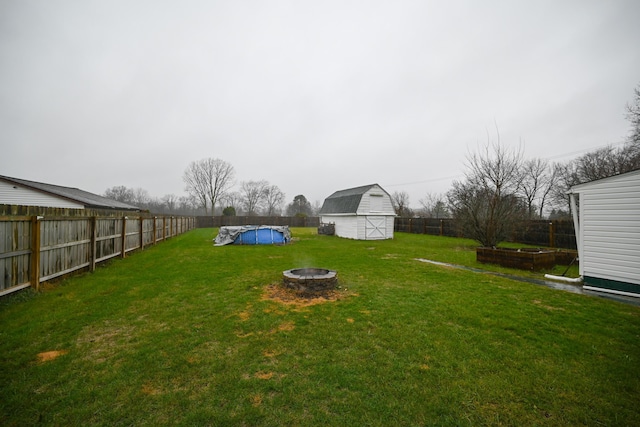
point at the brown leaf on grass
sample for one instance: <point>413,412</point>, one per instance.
<point>150,390</point>
<point>256,400</point>
<point>50,355</point>
<point>287,326</point>
<point>271,353</point>
<point>548,307</point>
<point>264,375</point>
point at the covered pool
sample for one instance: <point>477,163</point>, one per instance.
<point>253,235</point>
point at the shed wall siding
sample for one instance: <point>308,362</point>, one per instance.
<point>346,226</point>
<point>610,229</point>
<point>365,204</point>
<point>12,194</point>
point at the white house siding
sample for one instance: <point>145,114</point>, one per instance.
<point>12,194</point>
<point>610,231</point>
<point>345,226</point>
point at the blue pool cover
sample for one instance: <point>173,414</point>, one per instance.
<point>253,235</point>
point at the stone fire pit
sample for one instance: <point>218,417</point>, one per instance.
<point>310,279</point>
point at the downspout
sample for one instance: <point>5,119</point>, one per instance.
<point>576,226</point>
<point>576,222</point>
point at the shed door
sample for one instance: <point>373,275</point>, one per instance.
<point>375,227</point>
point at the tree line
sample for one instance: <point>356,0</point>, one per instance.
<point>211,190</point>
<point>500,187</point>
<point>537,185</point>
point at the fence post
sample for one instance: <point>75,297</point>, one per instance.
<point>155,229</point>
<point>124,237</point>
<point>552,237</point>
<point>94,235</point>
<point>442,227</point>
<point>164,228</point>
<point>35,252</point>
<point>141,232</point>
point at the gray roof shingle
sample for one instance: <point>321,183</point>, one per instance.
<point>345,201</point>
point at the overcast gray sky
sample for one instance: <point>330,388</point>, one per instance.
<point>312,96</point>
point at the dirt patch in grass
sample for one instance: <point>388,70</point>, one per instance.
<point>548,307</point>
<point>101,342</point>
<point>50,355</point>
<point>279,293</point>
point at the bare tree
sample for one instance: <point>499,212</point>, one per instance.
<point>434,206</point>
<point>120,193</point>
<point>170,201</point>
<point>633,115</point>
<point>597,164</point>
<point>232,199</point>
<point>208,180</point>
<point>486,204</point>
<point>400,200</point>
<point>273,198</point>
<point>188,204</point>
<point>195,180</point>
<point>538,180</point>
<point>141,197</point>
<point>253,195</point>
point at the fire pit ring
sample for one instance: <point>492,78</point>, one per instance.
<point>310,279</point>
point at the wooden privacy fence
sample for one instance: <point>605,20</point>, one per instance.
<point>552,234</point>
<point>36,249</point>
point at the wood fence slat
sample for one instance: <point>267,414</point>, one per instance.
<point>35,249</point>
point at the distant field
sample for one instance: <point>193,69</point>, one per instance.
<point>190,334</point>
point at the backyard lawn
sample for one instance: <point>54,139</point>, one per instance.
<point>191,334</point>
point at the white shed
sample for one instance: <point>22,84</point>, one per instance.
<point>606,215</point>
<point>362,213</point>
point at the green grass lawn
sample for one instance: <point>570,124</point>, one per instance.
<point>181,333</point>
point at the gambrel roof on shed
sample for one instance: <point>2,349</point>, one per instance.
<point>17,191</point>
<point>347,201</point>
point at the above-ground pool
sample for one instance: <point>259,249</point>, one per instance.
<point>253,235</point>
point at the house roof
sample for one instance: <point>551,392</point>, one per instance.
<point>623,176</point>
<point>346,201</point>
<point>89,200</point>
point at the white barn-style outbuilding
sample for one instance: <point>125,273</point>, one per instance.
<point>362,213</point>
<point>606,215</point>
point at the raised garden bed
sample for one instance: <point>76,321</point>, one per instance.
<point>533,259</point>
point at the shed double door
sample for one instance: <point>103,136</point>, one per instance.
<point>375,227</point>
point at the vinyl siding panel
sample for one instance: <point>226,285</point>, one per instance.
<point>385,207</point>
<point>610,228</point>
<point>346,226</point>
<point>12,194</point>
